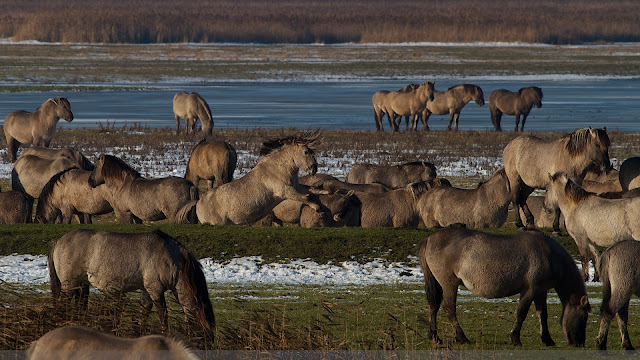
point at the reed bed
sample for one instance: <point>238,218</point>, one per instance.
<point>331,21</point>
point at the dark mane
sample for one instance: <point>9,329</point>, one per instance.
<point>534,94</point>
<point>115,168</point>
<point>581,138</point>
<point>574,192</point>
<point>44,206</point>
<point>309,138</point>
<point>463,86</point>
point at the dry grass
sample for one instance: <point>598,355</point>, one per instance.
<point>306,21</point>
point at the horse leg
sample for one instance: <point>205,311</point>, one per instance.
<point>377,115</point>
<point>517,121</point>
<point>178,124</point>
<point>435,300</point>
<point>456,117</point>
<point>12,145</point>
<point>425,119</point>
<point>157,299</point>
<point>523,308</point>
<point>498,120</point>
<point>607,311</point>
<point>540,302</point>
<point>556,221</point>
<point>449,298</point>
<point>623,319</point>
<point>524,118</point>
<point>584,251</point>
<point>407,120</point>
<point>450,120</point>
<point>520,202</point>
<point>595,258</point>
<point>147,305</point>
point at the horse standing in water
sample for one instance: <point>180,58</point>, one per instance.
<point>518,103</point>
<point>529,160</point>
<point>192,107</point>
<point>118,263</point>
<point>38,127</point>
<point>450,102</point>
<point>274,179</point>
<point>493,266</point>
<point>75,342</point>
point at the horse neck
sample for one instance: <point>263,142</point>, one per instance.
<point>281,165</point>
<point>46,109</point>
<point>571,284</point>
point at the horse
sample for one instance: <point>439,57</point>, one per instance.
<point>392,176</point>
<point>528,263</point>
<point>341,208</point>
<point>192,107</point>
<point>212,161</point>
<point>275,178</point>
<point>485,206</point>
<point>38,127</point>
<point>15,207</point>
<point>135,199</point>
<point>80,342</point>
<point>396,208</point>
<point>117,263</point>
<point>31,173</point>
<point>620,280</point>
<point>68,193</point>
<point>541,216</point>
<point>450,102</point>
<point>528,160</point>
<point>332,185</point>
<point>406,102</point>
<point>518,103</point>
<point>52,154</point>
<point>629,174</point>
<point>592,220</point>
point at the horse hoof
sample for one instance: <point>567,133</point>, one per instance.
<point>556,233</point>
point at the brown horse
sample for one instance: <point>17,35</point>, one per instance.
<point>397,208</point>
<point>408,101</point>
<point>275,178</point>
<point>68,193</point>
<point>38,127</point>
<point>79,342</point>
<point>15,207</point>
<point>192,107</point>
<point>518,103</point>
<point>485,206</point>
<point>31,173</point>
<point>450,102</point>
<point>528,161</point>
<point>493,266</point>
<point>395,176</point>
<point>212,161</point>
<point>341,208</point>
<point>620,280</point>
<point>136,199</point>
<point>118,263</point>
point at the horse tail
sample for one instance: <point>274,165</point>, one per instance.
<point>604,277</point>
<point>432,287</point>
<point>193,278</point>
<point>54,280</point>
<point>229,164</point>
<point>187,213</point>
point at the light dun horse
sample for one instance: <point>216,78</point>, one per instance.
<point>38,127</point>
<point>528,161</point>
<point>494,266</point>
<point>212,161</point>
<point>192,107</point>
<point>117,263</point>
<point>410,102</point>
<point>450,102</point>
<point>135,199</point>
<point>68,193</point>
<point>31,173</point>
<point>52,154</point>
<point>518,103</point>
<point>620,280</point>
<point>395,176</point>
<point>79,342</point>
<point>585,220</point>
<point>485,206</point>
<point>396,208</point>
<point>273,179</point>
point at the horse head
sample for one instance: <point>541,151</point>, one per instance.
<point>193,294</point>
<point>593,146</point>
<point>478,95</point>
<point>555,189</point>
<point>429,89</point>
<point>62,108</point>
<point>299,148</point>
<point>110,168</point>
<point>532,95</point>
<point>574,319</point>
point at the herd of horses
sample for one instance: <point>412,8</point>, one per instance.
<point>417,102</point>
<point>529,263</point>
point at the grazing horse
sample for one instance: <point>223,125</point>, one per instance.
<point>135,199</point>
<point>406,102</point>
<point>620,280</point>
<point>485,206</point>
<point>69,193</point>
<point>518,103</point>
<point>494,266</point>
<point>592,220</point>
<point>192,107</point>
<point>212,161</point>
<point>629,174</point>
<point>38,127</point>
<point>118,263</point>
<point>528,161</point>
<point>80,342</point>
<point>395,176</point>
<point>274,179</point>
<point>450,102</point>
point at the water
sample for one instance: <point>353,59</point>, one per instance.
<point>567,105</point>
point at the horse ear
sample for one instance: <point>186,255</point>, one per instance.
<point>584,302</point>
<point>550,176</point>
<point>350,193</point>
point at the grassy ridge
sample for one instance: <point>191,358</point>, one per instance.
<point>306,21</point>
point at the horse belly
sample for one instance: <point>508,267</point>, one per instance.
<point>490,283</point>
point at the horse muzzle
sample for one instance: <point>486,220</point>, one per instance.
<point>337,217</point>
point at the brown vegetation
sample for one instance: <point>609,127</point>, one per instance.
<point>306,21</point>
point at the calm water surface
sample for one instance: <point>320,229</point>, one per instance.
<point>567,105</point>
